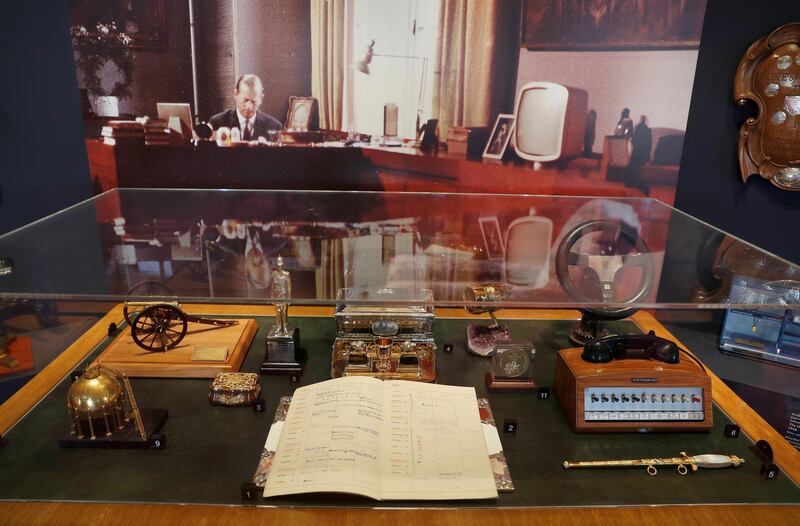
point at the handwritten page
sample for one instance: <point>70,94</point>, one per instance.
<point>331,440</point>
<point>435,447</point>
<point>385,440</point>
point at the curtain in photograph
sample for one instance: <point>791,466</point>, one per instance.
<point>475,61</point>
<point>328,60</point>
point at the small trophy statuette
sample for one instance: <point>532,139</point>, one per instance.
<point>281,284</point>
<point>282,339</point>
<point>625,125</point>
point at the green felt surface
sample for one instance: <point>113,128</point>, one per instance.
<point>213,450</point>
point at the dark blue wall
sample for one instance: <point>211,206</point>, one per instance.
<point>43,165</point>
<point>709,185</point>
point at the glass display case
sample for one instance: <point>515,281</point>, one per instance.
<point>592,329</point>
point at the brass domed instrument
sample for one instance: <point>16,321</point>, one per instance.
<point>102,401</point>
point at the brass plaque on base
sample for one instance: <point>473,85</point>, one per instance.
<point>283,352</point>
<point>282,348</point>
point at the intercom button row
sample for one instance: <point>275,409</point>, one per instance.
<point>643,415</point>
<point>648,399</point>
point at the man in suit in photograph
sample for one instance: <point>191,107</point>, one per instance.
<point>248,94</point>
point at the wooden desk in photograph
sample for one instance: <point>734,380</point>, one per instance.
<point>131,164</point>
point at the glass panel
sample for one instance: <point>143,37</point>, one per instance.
<point>35,332</point>
<point>724,300</point>
<point>220,246</point>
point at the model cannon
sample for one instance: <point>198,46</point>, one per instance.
<point>158,327</point>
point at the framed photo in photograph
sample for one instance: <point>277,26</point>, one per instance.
<point>492,238</point>
<point>299,116</point>
<point>501,134</point>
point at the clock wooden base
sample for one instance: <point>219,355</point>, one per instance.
<point>505,384</point>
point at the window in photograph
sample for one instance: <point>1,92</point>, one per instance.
<point>400,63</point>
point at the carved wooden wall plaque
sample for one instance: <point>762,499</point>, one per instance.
<point>769,75</point>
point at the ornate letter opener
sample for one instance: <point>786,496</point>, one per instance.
<point>695,462</point>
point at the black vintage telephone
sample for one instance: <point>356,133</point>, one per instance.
<point>643,346</point>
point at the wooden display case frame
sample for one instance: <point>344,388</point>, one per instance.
<point>121,514</point>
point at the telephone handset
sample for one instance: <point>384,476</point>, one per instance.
<point>642,346</point>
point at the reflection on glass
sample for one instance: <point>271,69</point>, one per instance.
<point>210,245</point>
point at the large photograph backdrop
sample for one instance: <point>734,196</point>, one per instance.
<point>461,62</point>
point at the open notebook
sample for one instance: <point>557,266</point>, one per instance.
<point>383,439</point>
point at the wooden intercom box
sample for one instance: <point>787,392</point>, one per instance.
<point>633,394</point>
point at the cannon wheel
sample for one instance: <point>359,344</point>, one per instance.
<point>159,327</point>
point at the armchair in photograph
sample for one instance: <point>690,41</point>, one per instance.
<point>663,167</point>
<point>660,166</point>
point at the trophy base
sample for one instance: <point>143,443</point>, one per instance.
<point>481,339</point>
<point>505,384</point>
<point>284,355</point>
<point>287,368</point>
